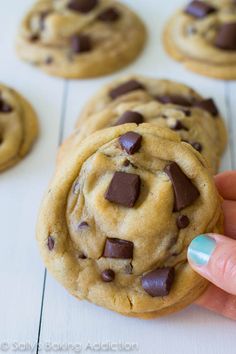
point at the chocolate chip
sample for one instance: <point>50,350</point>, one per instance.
<point>5,107</point>
<point>130,142</point>
<point>83,6</point>
<point>109,15</point>
<point>117,248</point>
<point>50,243</point>
<point>82,256</point>
<point>124,189</point>
<point>108,275</point>
<point>34,37</point>
<point>159,281</point>
<point>179,126</point>
<point>81,43</point>
<point>226,37</point>
<point>126,163</point>
<point>127,87</point>
<point>130,117</point>
<point>199,9</point>
<point>174,99</point>
<point>184,190</point>
<point>49,60</point>
<point>83,225</point>
<point>207,105</point>
<point>182,221</point>
<point>197,146</point>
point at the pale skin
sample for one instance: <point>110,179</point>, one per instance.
<point>220,296</point>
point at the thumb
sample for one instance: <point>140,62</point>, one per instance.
<point>214,257</point>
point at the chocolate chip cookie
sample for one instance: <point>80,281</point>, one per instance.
<point>18,127</point>
<point>119,215</point>
<point>203,36</point>
<point>162,102</point>
<point>80,38</point>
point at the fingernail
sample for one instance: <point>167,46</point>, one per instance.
<point>201,249</point>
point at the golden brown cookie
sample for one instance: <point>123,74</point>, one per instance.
<point>118,217</point>
<point>202,35</point>
<point>163,102</point>
<point>18,127</point>
<point>80,38</point>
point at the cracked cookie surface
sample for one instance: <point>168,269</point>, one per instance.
<point>116,221</point>
<point>203,36</point>
<point>18,127</point>
<point>80,38</point>
<point>162,102</point>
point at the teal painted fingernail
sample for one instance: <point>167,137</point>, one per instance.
<point>201,249</point>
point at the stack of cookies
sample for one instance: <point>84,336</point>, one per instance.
<point>133,183</point>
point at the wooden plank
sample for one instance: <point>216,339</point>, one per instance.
<point>68,321</point>
<point>21,189</point>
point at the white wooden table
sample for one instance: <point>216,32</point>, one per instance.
<point>33,307</point>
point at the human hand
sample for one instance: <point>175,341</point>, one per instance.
<point>214,256</point>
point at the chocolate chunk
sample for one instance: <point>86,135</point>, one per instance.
<point>207,105</point>
<point>82,256</point>
<point>5,107</point>
<point>126,163</point>
<point>182,221</point>
<point>159,281</point>
<point>108,275</point>
<point>127,87</point>
<point>184,190</point>
<point>226,36</point>
<point>130,142</point>
<point>83,225</point>
<point>174,99</point>
<point>124,189</point>
<point>83,6</point>
<point>109,15</point>
<point>80,43</point>
<point>34,37</point>
<point>199,9</point>
<point>116,248</point>
<point>197,146</point>
<point>179,126</point>
<point>130,117</point>
<point>50,243</point>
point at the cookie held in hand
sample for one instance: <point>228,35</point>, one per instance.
<point>203,36</point>
<point>119,215</point>
<point>18,127</point>
<point>80,38</point>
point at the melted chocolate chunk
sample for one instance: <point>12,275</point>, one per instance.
<point>126,87</point>
<point>109,15</point>
<point>83,6</point>
<point>130,117</point>
<point>207,105</point>
<point>159,281</point>
<point>108,275</point>
<point>184,190</point>
<point>174,99</point>
<point>179,126</point>
<point>81,43</point>
<point>130,142</point>
<point>50,243</point>
<point>226,37</point>
<point>124,189</point>
<point>117,248</point>
<point>197,146</point>
<point>182,221</point>
<point>199,9</point>
<point>5,107</point>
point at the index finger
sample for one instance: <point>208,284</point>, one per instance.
<point>226,184</point>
